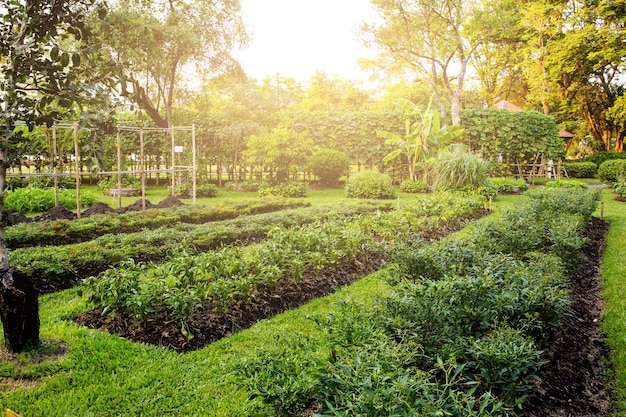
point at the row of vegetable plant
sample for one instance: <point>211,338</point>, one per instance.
<point>231,275</point>
<point>58,267</point>
<point>62,232</point>
<point>460,333</point>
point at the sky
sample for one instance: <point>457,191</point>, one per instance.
<point>297,37</point>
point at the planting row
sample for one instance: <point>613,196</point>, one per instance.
<point>228,277</point>
<point>458,335</point>
<point>62,232</point>
<point>59,267</point>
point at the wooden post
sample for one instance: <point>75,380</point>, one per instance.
<point>195,168</point>
<point>173,158</point>
<point>54,165</point>
<point>119,170</point>
<point>601,210</point>
<point>142,172</point>
<point>76,164</point>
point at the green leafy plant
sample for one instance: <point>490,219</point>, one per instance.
<point>581,169</point>
<point>413,186</point>
<point>291,189</point>
<point>459,168</point>
<point>563,183</point>
<point>609,170</point>
<point>508,185</point>
<point>370,184</point>
<point>329,165</point>
<point>38,200</point>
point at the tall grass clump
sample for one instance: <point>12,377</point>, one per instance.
<point>38,200</point>
<point>460,168</point>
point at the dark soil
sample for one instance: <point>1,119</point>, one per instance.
<point>572,382</point>
<point>137,206</point>
<point>56,213</point>
<point>98,208</point>
<point>170,201</point>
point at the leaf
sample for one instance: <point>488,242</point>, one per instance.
<point>76,59</point>
<point>54,54</point>
<point>65,59</point>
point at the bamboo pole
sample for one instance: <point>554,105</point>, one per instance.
<point>77,166</point>
<point>142,171</point>
<point>195,168</point>
<point>54,166</point>
<point>119,170</point>
<point>173,158</point>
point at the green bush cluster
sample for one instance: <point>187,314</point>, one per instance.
<point>292,189</point>
<point>599,157</point>
<point>460,334</point>
<point>609,171</point>
<point>54,268</point>
<point>38,200</point>
<point>370,184</point>
<point>508,185</point>
<point>413,186</point>
<point>581,169</point>
<point>329,165</point>
<point>566,183</point>
<point>185,190</point>
<point>246,186</point>
<point>459,168</point>
<point>229,276</point>
<point>63,232</point>
<point>110,182</point>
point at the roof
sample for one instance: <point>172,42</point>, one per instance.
<point>508,106</point>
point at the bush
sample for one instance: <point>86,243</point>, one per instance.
<point>460,168</point>
<point>370,184</point>
<point>599,157</point>
<point>48,182</point>
<point>291,189</point>
<point>206,191</point>
<point>566,184</point>
<point>507,185</point>
<point>413,186</point>
<point>329,165</point>
<point>37,200</point>
<point>581,169</point>
<point>105,184</point>
<point>609,171</point>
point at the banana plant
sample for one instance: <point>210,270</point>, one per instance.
<point>423,137</point>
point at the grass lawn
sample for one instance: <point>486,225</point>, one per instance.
<point>83,372</point>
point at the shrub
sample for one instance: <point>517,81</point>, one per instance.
<point>290,189</point>
<point>37,200</point>
<point>566,184</point>
<point>581,169</point>
<point>47,182</point>
<point>329,165</point>
<point>370,184</point>
<point>508,185</point>
<point>609,171</point>
<point>599,157</point>
<point>460,168</point>
<point>413,186</point>
<point>206,191</point>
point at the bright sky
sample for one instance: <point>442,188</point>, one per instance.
<point>297,37</point>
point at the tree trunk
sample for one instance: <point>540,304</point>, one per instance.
<point>19,311</point>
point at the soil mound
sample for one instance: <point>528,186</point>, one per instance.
<point>57,213</point>
<point>137,206</point>
<point>170,201</point>
<point>98,208</point>
<point>12,218</point>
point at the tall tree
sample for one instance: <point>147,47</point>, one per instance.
<point>157,43</point>
<point>428,38</point>
<point>45,47</point>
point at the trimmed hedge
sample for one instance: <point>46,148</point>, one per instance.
<point>370,184</point>
<point>580,169</point>
<point>609,171</point>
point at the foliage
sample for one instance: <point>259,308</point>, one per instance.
<point>413,186</point>
<point>37,200</point>
<point>599,157</point>
<point>291,189</point>
<point>507,139</point>
<point>507,185</point>
<point>459,168</point>
<point>370,184</point>
<point>110,182</point>
<point>48,182</point>
<point>329,165</point>
<point>279,150</point>
<point>609,171</point>
<point>207,191</point>
<point>422,137</point>
<point>619,186</point>
<point>581,169</point>
<point>565,183</point>
<point>242,186</point>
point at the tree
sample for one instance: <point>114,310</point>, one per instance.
<point>154,42</point>
<point>422,137</point>
<point>329,165</point>
<point>428,38</point>
<point>280,150</point>
<point>45,47</point>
